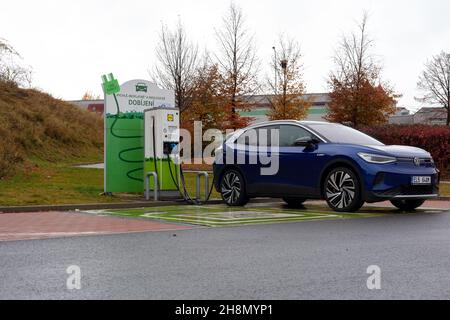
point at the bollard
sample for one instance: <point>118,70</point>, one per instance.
<point>147,185</point>
<point>199,175</point>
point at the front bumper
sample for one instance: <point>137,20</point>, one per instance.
<point>395,183</point>
<point>406,192</point>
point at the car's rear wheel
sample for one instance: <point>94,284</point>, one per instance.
<point>232,188</point>
<point>342,190</point>
<point>294,202</point>
<point>407,204</point>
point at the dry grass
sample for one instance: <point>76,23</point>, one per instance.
<point>444,189</point>
<point>36,126</point>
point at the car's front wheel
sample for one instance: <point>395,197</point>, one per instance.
<point>232,188</point>
<point>342,190</point>
<point>407,204</point>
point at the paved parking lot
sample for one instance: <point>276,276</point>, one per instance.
<point>326,259</point>
<point>42,225</point>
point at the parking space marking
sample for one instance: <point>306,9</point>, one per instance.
<point>222,215</point>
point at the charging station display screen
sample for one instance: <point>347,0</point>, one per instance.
<point>124,133</point>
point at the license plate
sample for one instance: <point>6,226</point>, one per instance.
<point>421,180</point>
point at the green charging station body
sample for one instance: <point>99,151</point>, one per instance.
<point>161,149</point>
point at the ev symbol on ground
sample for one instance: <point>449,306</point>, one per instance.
<point>74,279</point>
<point>374,280</point>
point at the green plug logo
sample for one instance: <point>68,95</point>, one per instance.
<point>110,85</point>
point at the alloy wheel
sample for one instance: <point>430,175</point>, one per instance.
<point>231,187</point>
<point>340,189</point>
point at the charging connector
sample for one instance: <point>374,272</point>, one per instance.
<point>168,147</point>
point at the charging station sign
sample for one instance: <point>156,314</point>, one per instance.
<point>124,133</point>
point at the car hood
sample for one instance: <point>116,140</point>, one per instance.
<point>403,151</point>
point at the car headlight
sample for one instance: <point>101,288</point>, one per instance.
<point>376,158</point>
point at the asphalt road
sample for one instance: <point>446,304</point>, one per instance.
<point>306,260</point>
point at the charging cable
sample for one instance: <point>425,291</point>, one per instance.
<point>185,193</point>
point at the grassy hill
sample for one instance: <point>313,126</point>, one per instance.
<point>36,128</point>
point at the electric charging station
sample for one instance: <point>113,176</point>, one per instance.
<point>161,150</point>
<point>143,143</point>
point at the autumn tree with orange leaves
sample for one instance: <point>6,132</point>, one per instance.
<point>288,101</point>
<point>358,96</point>
<point>207,101</point>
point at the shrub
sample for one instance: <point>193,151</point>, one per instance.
<point>434,139</point>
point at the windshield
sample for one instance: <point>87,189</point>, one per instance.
<point>338,133</point>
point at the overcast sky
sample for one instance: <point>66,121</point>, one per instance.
<point>70,44</point>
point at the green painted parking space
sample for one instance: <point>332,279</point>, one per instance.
<point>222,215</point>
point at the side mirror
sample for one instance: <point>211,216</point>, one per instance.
<point>306,142</point>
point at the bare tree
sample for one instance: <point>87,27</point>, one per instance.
<point>238,63</point>
<point>435,82</point>
<point>176,63</point>
<point>358,95</point>
<point>12,69</point>
<point>288,101</point>
<point>353,59</point>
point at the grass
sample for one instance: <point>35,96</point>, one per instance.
<point>444,189</point>
<point>43,183</point>
<point>48,183</point>
<point>37,128</point>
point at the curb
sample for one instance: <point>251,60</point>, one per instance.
<point>100,206</point>
<point>94,206</point>
<point>129,205</point>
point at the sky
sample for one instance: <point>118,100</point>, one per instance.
<point>70,44</point>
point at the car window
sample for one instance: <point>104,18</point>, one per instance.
<point>290,133</point>
<point>337,133</point>
<point>258,136</point>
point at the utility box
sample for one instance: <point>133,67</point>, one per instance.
<point>161,149</point>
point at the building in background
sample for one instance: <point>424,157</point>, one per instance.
<point>97,106</point>
<point>431,115</point>
<point>401,116</point>
<point>317,112</point>
<point>425,115</point>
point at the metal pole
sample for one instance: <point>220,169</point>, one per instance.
<point>199,175</point>
<point>105,143</point>
<point>155,186</point>
<point>275,68</point>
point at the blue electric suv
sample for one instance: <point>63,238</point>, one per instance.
<point>299,160</point>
